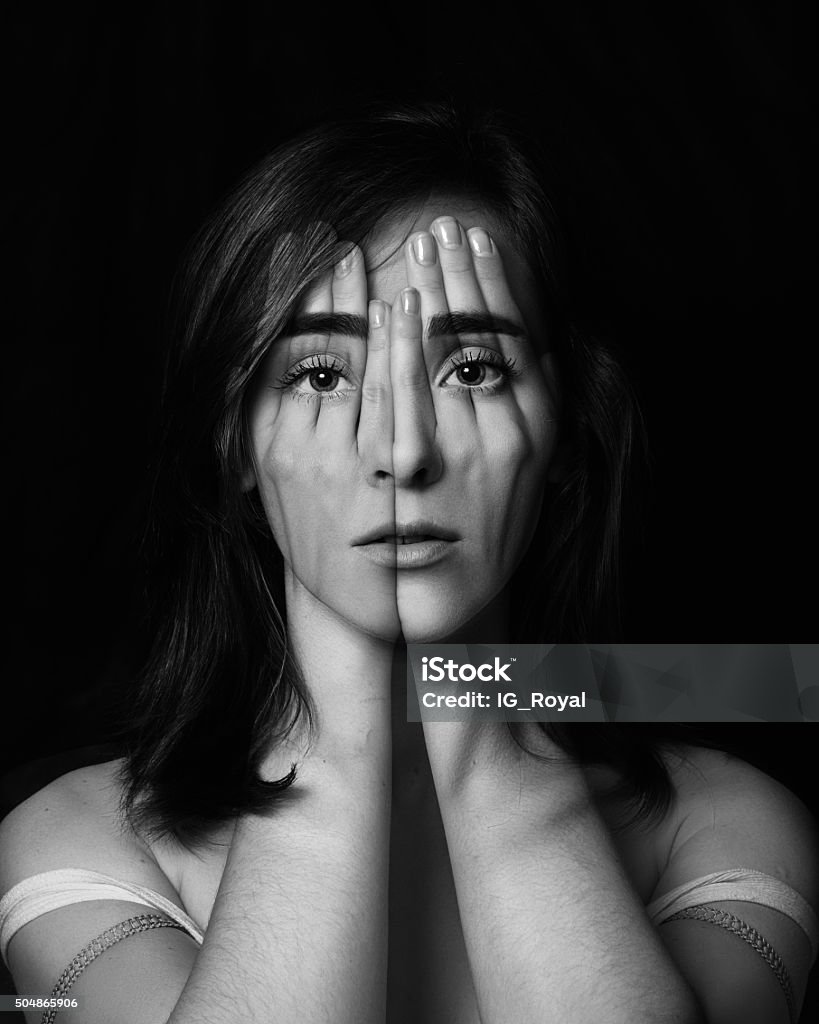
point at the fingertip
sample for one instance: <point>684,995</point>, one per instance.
<point>447,231</point>
<point>348,261</point>
<point>480,242</point>
<point>377,313</point>
<point>423,249</point>
<point>410,301</point>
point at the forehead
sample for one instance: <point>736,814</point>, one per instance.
<point>386,266</point>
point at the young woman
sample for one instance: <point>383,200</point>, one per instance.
<point>381,427</point>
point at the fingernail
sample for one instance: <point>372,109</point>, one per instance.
<point>480,241</point>
<point>423,249</point>
<point>411,302</point>
<point>345,265</point>
<point>376,313</point>
<point>448,232</point>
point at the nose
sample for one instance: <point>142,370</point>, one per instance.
<point>375,432</point>
<point>416,452</point>
<point>398,440</point>
<point>397,435</point>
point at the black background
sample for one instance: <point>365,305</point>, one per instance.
<point>684,139</point>
<point>684,136</point>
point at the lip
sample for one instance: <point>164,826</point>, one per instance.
<point>413,545</point>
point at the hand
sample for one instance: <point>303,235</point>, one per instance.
<point>321,432</point>
<point>475,420</point>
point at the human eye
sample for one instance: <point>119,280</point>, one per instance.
<point>477,369</point>
<point>321,376</point>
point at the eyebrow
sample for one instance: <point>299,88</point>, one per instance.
<point>350,325</point>
<point>347,324</point>
<point>472,322</point>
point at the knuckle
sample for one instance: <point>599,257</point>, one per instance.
<point>413,381</point>
<point>489,269</point>
<point>431,286</point>
<point>375,394</point>
<point>406,332</point>
<point>458,268</point>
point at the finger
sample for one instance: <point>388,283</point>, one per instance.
<point>523,411</point>
<point>463,293</point>
<point>534,365</point>
<point>349,288</point>
<point>302,411</point>
<point>424,273</point>
<point>484,410</point>
<point>318,296</point>
<point>345,351</point>
<point>375,426</point>
<point>425,276</point>
<point>413,412</point>
<point>425,262</point>
<point>491,279</point>
<point>349,285</point>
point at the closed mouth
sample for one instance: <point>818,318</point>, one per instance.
<point>410,549</point>
<point>415,538</point>
<point>410,533</point>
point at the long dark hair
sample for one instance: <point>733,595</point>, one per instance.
<point>219,685</point>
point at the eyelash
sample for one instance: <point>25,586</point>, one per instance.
<point>481,357</point>
<point>317,362</point>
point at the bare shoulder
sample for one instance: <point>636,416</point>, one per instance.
<point>729,814</point>
<point>76,821</point>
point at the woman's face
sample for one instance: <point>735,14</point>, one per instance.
<point>403,430</point>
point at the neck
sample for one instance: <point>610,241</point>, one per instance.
<point>328,648</point>
<point>410,763</point>
<point>346,669</point>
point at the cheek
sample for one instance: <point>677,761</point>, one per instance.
<point>519,447</point>
<point>289,456</point>
<point>539,422</point>
<point>287,466</point>
<point>519,462</point>
<point>295,485</point>
<point>513,450</point>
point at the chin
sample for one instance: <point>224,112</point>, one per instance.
<point>379,623</point>
<point>442,621</point>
